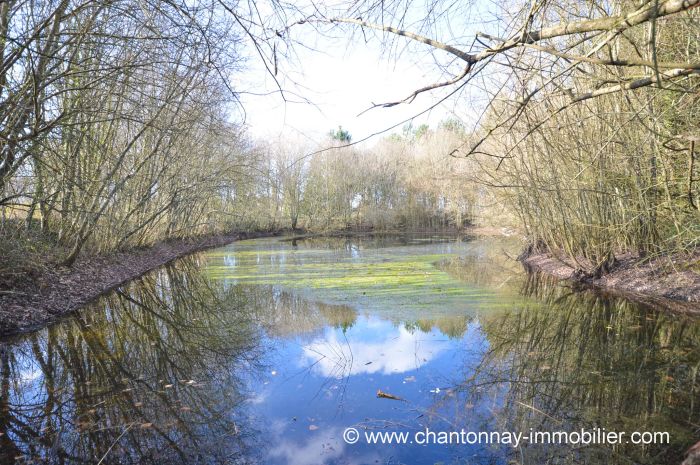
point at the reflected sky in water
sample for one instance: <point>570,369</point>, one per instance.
<point>266,350</point>
<point>328,381</point>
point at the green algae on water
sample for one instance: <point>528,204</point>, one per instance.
<point>419,276</point>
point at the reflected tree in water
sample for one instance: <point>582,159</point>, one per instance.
<point>151,374</point>
<point>584,360</point>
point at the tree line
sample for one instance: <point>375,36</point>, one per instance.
<point>405,181</point>
<point>116,126</point>
<point>586,120</point>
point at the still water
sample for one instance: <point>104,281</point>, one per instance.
<point>266,351</point>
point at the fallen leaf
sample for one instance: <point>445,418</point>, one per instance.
<point>386,395</point>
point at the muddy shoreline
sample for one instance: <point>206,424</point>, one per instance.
<point>60,291</point>
<point>659,283</point>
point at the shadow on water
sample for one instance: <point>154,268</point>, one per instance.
<point>214,359</point>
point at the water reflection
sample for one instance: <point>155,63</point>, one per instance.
<point>285,314</point>
<point>381,348</point>
<point>584,361</point>
<point>147,379</point>
<point>193,365</point>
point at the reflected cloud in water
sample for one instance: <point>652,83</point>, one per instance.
<point>376,347</point>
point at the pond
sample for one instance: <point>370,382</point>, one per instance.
<point>283,351</point>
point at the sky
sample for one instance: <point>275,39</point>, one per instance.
<point>339,84</point>
<point>341,78</point>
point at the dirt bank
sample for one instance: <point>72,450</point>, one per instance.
<point>61,290</point>
<point>669,283</point>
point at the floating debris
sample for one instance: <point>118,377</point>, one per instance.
<point>386,395</point>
